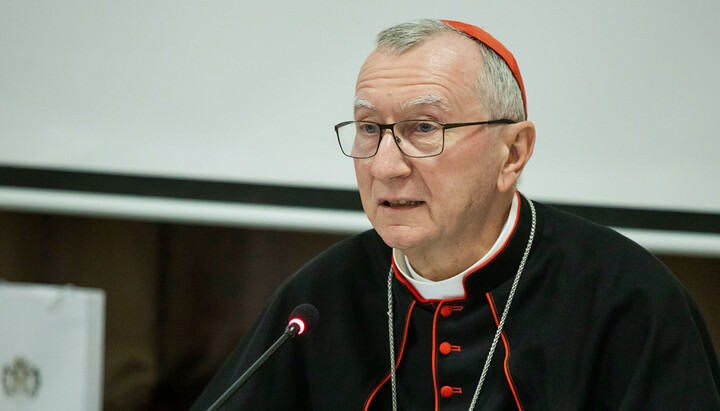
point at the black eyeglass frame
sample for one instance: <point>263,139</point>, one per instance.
<point>391,127</point>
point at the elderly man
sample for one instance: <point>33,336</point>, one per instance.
<point>467,295</point>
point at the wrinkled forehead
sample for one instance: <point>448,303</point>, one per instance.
<point>441,73</point>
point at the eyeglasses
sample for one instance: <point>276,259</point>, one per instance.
<point>414,138</point>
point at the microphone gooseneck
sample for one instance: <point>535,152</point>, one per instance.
<point>303,317</point>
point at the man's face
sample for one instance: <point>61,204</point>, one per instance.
<point>436,204</point>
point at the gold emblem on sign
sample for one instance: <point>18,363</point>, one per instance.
<point>21,379</point>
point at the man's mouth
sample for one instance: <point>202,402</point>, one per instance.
<point>401,203</point>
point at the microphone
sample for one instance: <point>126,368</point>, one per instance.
<point>301,318</point>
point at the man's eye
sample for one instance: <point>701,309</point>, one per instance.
<point>368,128</point>
<point>425,127</point>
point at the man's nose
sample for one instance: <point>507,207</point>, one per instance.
<point>389,162</point>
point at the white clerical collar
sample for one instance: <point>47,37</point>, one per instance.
<point>453,286</point>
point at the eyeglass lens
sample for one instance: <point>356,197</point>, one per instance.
<point>415,138</point>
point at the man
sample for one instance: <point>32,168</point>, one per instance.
<point>495,302</point>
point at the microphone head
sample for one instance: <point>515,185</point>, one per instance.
<point>304,316</point>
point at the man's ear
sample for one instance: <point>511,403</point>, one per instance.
<point>519,138</point>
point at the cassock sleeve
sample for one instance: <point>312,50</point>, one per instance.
<point>657,354</point>
<point>336,362</point>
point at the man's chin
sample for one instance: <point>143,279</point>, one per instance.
<point>400,237</point>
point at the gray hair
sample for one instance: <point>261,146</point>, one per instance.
<point>497,88</point>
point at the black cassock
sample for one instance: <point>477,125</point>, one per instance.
<point>596,323</point>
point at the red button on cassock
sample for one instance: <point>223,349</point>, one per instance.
<point>447,391</point>
<point>446,310</point>
<point>446,348</point>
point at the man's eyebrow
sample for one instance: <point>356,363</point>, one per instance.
<point>428,100</point>
<point>361,103</point>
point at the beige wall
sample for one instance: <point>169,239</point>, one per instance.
<point>179,297</point>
